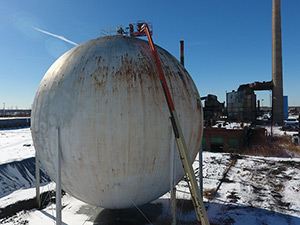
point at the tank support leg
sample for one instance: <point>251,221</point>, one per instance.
<point>201,170</point>
<point>58,179</point>
<point>172,180</point>
<point>37,179</point>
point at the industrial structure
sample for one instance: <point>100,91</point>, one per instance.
<point>105,96</point>
<point>277,91</point>
<point>102,106</point>
<point>15,112</point>
<point>213,109</point>
<point>105,112</point>
<point>241,104</point>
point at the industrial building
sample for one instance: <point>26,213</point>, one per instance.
<point>241,104</point>
<point>213,109</point>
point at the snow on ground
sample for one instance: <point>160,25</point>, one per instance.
<point>23,194</point>
<point>70,214</point>
<point>256,190</point>
<point>265,184</point>
<point>231,125</point>
<point>276,130</point>
<point>214,165</point>
<point>15,144</point>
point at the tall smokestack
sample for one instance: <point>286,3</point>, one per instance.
<point>277,93</point>
<point>182,52</point>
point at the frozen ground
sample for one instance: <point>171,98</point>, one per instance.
<point>15,144</point>
<point>276,130</point>
<point>255,190</point>
<point>259,190</point>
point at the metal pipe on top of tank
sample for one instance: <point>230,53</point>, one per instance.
<point>182,52</point>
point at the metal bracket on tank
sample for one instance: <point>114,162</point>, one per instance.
<point>132,30</point>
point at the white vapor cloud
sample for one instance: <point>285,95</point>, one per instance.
<point>55,35</point>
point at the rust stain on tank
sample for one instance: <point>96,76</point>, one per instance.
<point>115,172</point>
<point>153,163</point>
<point>98,83</point>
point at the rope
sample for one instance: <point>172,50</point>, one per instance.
<point>137,208</point>
<point>140,211</point>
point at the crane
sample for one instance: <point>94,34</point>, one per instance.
<point>143,30</point>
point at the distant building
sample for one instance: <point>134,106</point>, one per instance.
<point>15,113</point>
<point>241,105</point>
<point>212,109</point>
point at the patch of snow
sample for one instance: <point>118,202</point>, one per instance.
<point>15,144</point>
<point>257,190</point>
<point>263,184</point>
<point>47,216</point>
<point>230,125</point>
<point>24,194</point>
<point>276,130</point>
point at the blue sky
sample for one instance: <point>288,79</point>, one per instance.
<point>227,43</point>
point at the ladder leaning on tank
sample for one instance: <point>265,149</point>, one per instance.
<point>179,138</point>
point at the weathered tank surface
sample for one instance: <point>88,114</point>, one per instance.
<point>114,121</point>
